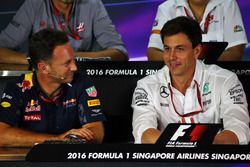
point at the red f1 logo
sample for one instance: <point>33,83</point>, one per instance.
<point>195,135</point>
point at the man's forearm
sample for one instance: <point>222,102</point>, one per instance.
<point>154,54</point>
<point>14,137</point>
<point>97,129</point>
<point>114,54</point>
<point>232,54</point>
<point>8,56</point>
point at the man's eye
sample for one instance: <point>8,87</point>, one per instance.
<point>166,49</point>
<point>179,49</point>
<point>66,64</point>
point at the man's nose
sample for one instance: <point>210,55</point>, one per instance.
<point>172,55</point>
<point>73,67</point>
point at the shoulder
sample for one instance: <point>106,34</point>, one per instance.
<point>231,4</point>
<point>153,80</point>
<point>37,1</point>
<point>16,84</point>
<point>223,3</point>
<point>33,7</point>
<point>169,9</point>
<point>218,72</point>
<point>228,2</point>
<point>35,4</point>
<point>81,81</point>
<point>89,6</point>
<point>168,5</point>
<point>89,2</point>
<point>80,77</point>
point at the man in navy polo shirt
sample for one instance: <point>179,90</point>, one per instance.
<point>53,101</point>
<point>90,30</point>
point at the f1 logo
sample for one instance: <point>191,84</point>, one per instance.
<point>195,134</point>
<point>180,132</point>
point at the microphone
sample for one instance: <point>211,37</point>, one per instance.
<point>57,76</point>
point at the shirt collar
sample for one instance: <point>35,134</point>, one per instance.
<point>211,3</point>
<point>56,12</point>
<point>210,6</point>
<point>37,85</point>
<point>182,3</point>
<point>43,95</point>
<point>198,72</point>
<point>167,78</point>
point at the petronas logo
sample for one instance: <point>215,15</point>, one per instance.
<point>205,88</point>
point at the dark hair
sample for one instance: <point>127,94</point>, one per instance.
<point>185,25</point>
<point>43,43</point>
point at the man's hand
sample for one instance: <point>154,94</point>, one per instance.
<point>92,132</point>
<point>114,54</point>
<point>150,136</point>
<point>82,133</point>
<point>226,137</point>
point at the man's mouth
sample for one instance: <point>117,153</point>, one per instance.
<point>175,64</point>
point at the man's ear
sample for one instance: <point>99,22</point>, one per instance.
<point>197,51</point>
<point>43,67</point>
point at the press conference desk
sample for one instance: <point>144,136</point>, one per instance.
<point>13,153</point>
<point>117,107</point>
<point>125,155</point>
<point>13,67</point>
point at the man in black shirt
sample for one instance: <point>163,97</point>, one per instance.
<point>53,101</point>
